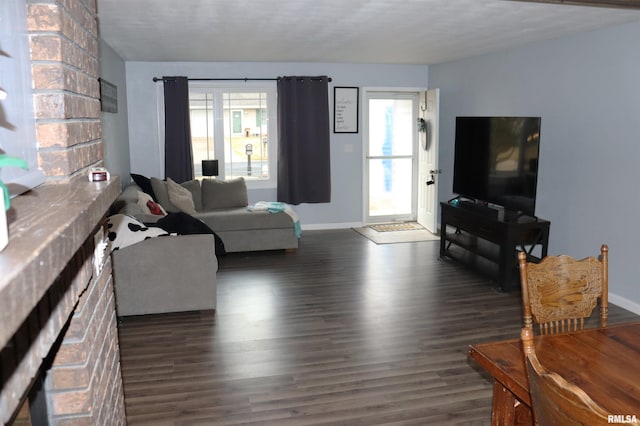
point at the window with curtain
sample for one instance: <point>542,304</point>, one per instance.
<point>235,124</point>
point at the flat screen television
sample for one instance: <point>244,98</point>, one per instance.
<point>496,161</point>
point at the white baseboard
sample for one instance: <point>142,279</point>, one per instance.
<point>323,226</point>
<point>624,303</point>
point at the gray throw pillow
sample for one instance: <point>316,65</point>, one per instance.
<point>180,197</point>
<point>162,194</point>
<point>196,192</point>
<point>224,194</point>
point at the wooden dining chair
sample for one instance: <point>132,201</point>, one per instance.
<point>554,401</point>
<point>560,292</point>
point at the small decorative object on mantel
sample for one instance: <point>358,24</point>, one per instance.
<point>98,174</point>
<point>5,199</point>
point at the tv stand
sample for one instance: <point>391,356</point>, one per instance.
<point>482,232</point>
<point>477,208</point>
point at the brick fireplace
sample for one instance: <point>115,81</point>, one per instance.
<point>59,359</point>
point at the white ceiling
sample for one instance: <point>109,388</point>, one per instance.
<point>341,31</point>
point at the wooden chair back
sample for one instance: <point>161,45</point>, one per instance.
<point>560,292</point>
<point>554,401</point>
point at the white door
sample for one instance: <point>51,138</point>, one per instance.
<point>391,135</point>
<point>428,161</point>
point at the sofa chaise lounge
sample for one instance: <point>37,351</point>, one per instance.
<point>158,273</point>
<point>166,274</point>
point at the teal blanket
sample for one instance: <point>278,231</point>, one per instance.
<point>276,207</point>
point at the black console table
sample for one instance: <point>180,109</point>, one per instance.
<point>493,235</point>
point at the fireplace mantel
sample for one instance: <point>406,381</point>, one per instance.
<point>47,226</point>
<point>51,227</point>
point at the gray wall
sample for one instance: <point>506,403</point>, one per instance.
<point>115,132</point>
<point>345,208</point>
<point>587,90</point>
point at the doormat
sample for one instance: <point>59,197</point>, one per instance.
<point>412,236</point>
<point>399,226</point>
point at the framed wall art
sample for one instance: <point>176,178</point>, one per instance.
<point>345,109</point>
<point>108,96</point>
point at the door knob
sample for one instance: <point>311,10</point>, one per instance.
<point>430,182</point>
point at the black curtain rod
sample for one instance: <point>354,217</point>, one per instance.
<point>232,79</point>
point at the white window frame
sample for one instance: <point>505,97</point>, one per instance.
<point>18,128</point>
<point>218,88</point>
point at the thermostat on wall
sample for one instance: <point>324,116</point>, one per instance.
<point>98,174</point>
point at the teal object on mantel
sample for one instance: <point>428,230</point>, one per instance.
<point>5,199</point>
<point>6,160</point>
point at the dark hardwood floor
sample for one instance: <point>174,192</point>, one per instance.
<point>343,332</point>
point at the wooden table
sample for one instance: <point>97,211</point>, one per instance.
<point>605,362</point>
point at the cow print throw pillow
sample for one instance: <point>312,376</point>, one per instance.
<point>125,230</point>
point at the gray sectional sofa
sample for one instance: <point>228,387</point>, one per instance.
<point>223,207</point>
<point>178,272</point>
